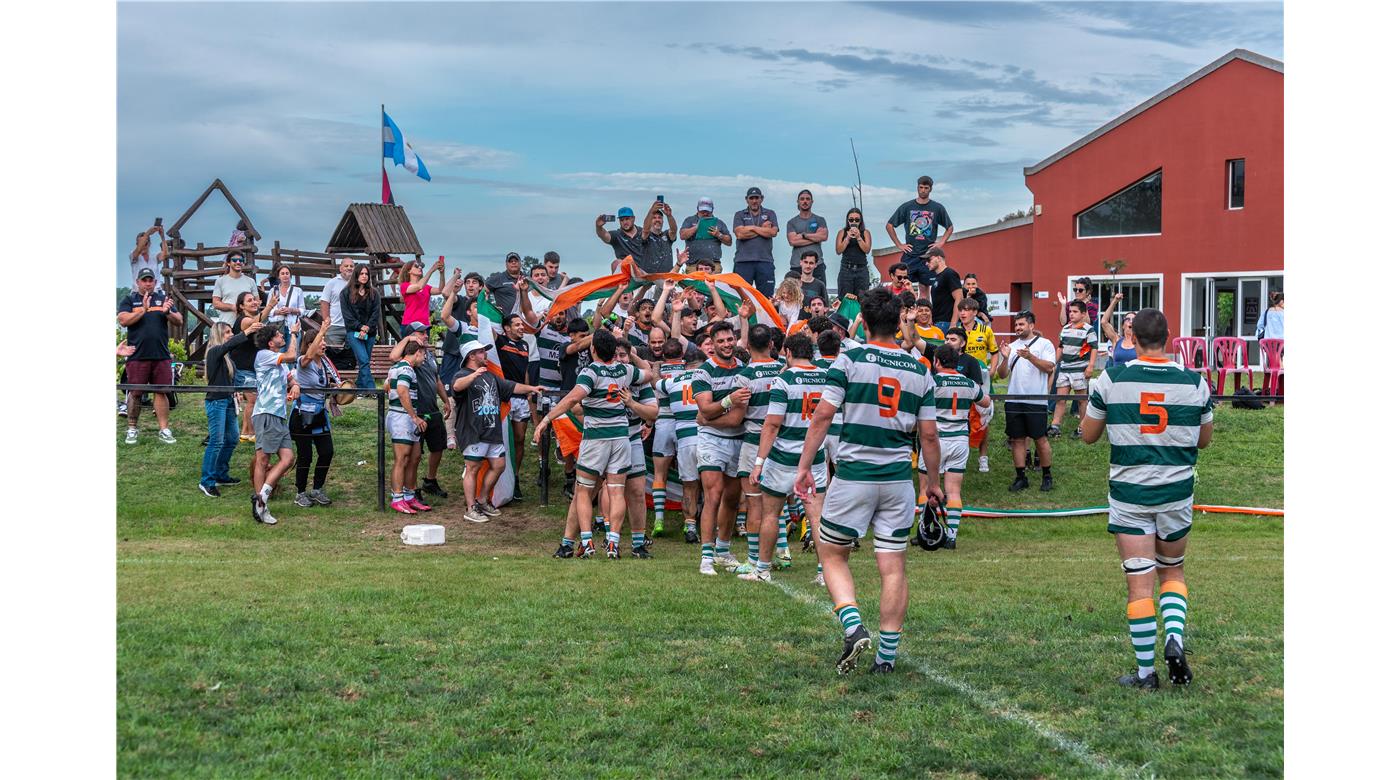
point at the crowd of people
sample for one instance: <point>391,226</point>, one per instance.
<point>804,428</point>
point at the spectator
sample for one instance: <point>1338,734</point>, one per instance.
<point>899,282</point>
<point>921,218</point>
<point>704,234</point>
<point>974,369</point>
<point>360,307</point>
<point>311,420</point>
<point>405,427</point>
<point>806,276</point>
<point>146,314</point>
<point>479,394</point>
<point>1122,347</point>
<point>755,227</point>
<point>1031,361</point>
<point>806,232</point>
<point>430,390</point>
<point>1271,324</point>
<point>787,299</point>
<point>972,290</point>
<point>1082,289</point>
<point>927,329</point>
<point>458,306</point>
<point>626,240</point>
<point>141,255</point>
<point>285,301</point>
<point>245,360</point>
<point>514,354</point>
<point>1079,346</point>
<point>502,284</point>
<point>945,288</point>
<point>331,317</point>
<point>656,257</point>
<point>227,288</point>
<point>277,387</point>
<point>416,293</point>
<point>854,245</point>
<point>239,236</point>
<point>219,407</point>
<point>551,267</point>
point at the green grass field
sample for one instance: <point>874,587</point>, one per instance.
<point>323,646</point>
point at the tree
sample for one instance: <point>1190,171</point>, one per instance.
<point>1017,214</point>
<point>122,293</point>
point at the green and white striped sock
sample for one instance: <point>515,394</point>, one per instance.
<point>1142,628</point>
<point>658,501</point>
<point>763,566</point>
<point>1173,605</point>
<point>889,646</point>
<point>849,617</point>
<point>782,533</point>
<point>954,519</point>
<point>753,547</point>
<point>639,538</point>
<point>721,547</point>
<point>707,552</point>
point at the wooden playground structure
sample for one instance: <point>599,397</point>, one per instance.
<point>368,233</point>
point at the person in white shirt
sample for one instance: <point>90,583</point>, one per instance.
<point>1029,364</point>
<point>141,256</point>
<point>331,318</point>
<point>285,301</point>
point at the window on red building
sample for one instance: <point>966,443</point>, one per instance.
<point>1235,180</point>
<point>1133,211</point>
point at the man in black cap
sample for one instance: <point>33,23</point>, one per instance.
<point>501,284</point>
<point>754,227</point>
<point>921,218</point>
<point>145,314</point>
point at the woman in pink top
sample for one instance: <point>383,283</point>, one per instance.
<point>416,292</point>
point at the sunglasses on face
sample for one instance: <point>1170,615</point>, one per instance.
<point>852,222</point>
<point>1079,289</point>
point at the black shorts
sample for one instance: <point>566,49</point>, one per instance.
<point>1020,424</point>
<point>435,436</point>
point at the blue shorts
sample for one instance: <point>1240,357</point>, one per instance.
<point>242,378</point>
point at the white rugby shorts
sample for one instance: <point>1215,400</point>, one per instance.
<point>852,508</point>
<point>663,438</point>
<point>778,480</point>
<point>719,454</point>
<point>601,457</point>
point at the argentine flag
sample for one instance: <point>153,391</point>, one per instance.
<point>401,151</point>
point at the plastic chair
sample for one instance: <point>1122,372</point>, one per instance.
<point>1273,365</point>
<point>1191,351</point>
<point>1229,354</point>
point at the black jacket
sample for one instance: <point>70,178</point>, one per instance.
<point>358,315</point>
<point>216,369</point>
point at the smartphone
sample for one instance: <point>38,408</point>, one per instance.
<point>660,198</point>
<point>158,221</point>
<point>609,218</point>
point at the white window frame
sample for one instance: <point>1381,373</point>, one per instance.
<point>1185,312</point>
<point>1102,201</point>
<point>1110,278</point>
<point>1229,182</point>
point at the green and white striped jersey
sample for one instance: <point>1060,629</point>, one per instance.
<point>1076,344</point>
<point>719,380</point>
<point>604,414</point>
<point>758,378</point>
<point>647,395</point>
<point>956,396</point>
<point>795,394</point>
<point>402,374</point>
<point>664,369</point>
<point>680,395</point>
<point>835,430</point>
<point>550,345</point>
<point>883,392</point>
<point>1153,412</point>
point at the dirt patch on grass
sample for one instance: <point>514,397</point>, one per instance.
<point>519,530</point>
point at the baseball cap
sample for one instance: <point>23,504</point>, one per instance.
<point>472,346</point>
<point>515,255</point>
<point>416,327</point>
<point>705,204</point>
<point>754,191</point>
<point>146,273</point>
<point>625,211</point>
<point>840,321</point>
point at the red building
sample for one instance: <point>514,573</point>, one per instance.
<point>1186,189</point>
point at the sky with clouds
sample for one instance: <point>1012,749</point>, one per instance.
<point>536,117</point>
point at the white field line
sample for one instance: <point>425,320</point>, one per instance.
<point>989,702</point>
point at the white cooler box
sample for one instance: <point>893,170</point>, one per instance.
<point>423,534</point>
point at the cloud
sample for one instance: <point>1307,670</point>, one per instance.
<point>722,187</point>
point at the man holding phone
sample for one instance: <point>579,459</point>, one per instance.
<point>656,255</point>
<point>704,234</point>
<point>626,240</point>
<point>755,228</point>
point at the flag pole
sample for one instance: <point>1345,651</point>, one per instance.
<point>383,170</point>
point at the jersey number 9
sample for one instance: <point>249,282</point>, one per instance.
<point>887,394</point>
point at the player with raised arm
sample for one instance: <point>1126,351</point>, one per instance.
<point>1158,417</point>
<point>721,424</point>
<point>792,401</point>
<point>885,394</point>
<point>957,395</point>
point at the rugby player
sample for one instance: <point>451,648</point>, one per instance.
<point>679,390</point>
<point>885,394</point>
<point>1158,417</point>
<point>757,376</point>
<point>1079,346</point>
<point>663,437</point>
<point>721,425</point>
<point>957,396</point>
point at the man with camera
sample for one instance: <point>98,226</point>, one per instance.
<point>656,257</point>
<point>626,240</point>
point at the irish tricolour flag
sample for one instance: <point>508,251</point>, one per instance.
<point>489,324</point>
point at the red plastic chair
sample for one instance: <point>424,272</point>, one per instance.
<point>1191,351</point>
<point>1229,353</point>
<point>1273,365</point>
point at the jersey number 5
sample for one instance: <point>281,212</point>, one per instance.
<point>1147,408</point>
<point>887,394</point>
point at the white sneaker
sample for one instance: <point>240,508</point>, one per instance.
<point>728,562</point>
<point>982,464</point>
<point>820,579</point>
<point>267,517</point>
<point>475,516</point>
<point>757,575</point>
<point>130,435</point>
<point>166,436</point>
<point>707,567</point>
